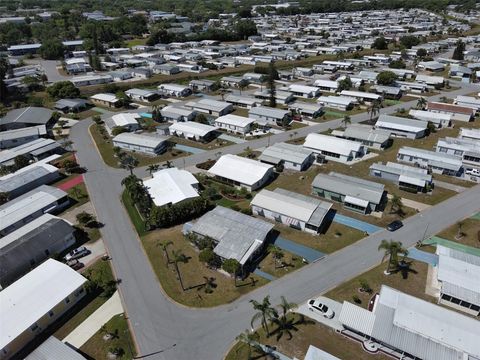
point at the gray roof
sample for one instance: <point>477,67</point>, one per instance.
<point>236,233</point>
<point>296,154</point>
<point>209,104</point>
<point>366,133</point>
<point>35,147</point>
<point>22,178</point>
<point>400,169</point>
<point>70,103</point>
<point>38,131</point>
<point>54,349</point>
<point>30,115</point>
<point>268,112</point>
<point>143,140</point>
<point>350,186</point>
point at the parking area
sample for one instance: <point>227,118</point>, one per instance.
<point>332,304</point>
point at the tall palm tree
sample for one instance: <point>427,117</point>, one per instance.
<point>152,168</point>
<point>346,121</point>
<point>165,245</point>
<point>265,312</point>
<point>129,162</point>
<point>168,164</point>
<point>396,204</point>
<point>392,249</point>
<point>421,103</point>
<point>374,109</point>
<point>277,253</point>
<point>250,338</point>
<point>179,257</point>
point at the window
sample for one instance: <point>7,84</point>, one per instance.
<point>50,313</point>
<point>442,150</point>
<point>34,327</point>
<point>458,152</point>
<point>67,300</point>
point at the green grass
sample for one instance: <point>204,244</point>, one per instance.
<point>105,147</point>
<point>97,347</point>
<point>100,271</point>
<point>79,194</point>
<point>135,42</point>
<point>132,211</point>
<point>470,229</point>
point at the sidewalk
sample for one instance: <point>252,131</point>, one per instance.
<point>94,322</point>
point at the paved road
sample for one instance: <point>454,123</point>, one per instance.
<point>166,331</point>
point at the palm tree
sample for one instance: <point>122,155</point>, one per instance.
<point>421,103</point>
<point>168,164</point>
<point>396,204</point>
<point>277,253</point>
<point>242,85</point>
<point>152,168</point>
<point>459,230</point>
<point>392,249</point>
<point>346,121</point>
<point>265,313</point>
<point>178,257</point>
<point>250,338</point>
<point>286,306</point>
<point>129,162</point>
<point>374,109</point>
<point>165,245</point>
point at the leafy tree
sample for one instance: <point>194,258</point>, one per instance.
<point>345,84</point>
<point>245,28</point>
<point>396,204</point>
<point>118,130</point>
<point>397,64</point>
<point>409,40</point>
<point>20,161</point>
<point>85,218</point>
<point>70,165</point>
<point>232,266</point>
<point>129,162</point>
<point>346,121</point>
<point>392,249</point>
<point>421,53</point>
<point>63,89</point>
<point>380,43</point>
<point>421,103</point>
<point>386,78</point>
<point>374,109</point>
<point>459,50</point>
<point>152,168</point>
<point>209,257</point>
<point>265,313</point>
<point>4,68</point>
<point>272,75</point>
<point>52,49</point>
<point>201,118</point>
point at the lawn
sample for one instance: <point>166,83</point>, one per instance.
<point>414,284</point>
<point>287,264</point>
<point>311,333</point>
<point>102,273</point>
<point>335,237</point>
<point>105,147</point>
<point>134,215</point>
<point>97,347</point>
<point>78,194</point>
<point>470,229</point>
<point>136,42</point>
<point>193,272</point>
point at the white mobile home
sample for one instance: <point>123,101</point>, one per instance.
<point>270,116</point>
<point>327,147</point>
<point>147,144</point>
<point>234,123</point>
<point>402,127</point>
<point>292,157</point>
<point>439,163</point>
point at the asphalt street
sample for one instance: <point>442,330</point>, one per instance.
<point>165,330</point>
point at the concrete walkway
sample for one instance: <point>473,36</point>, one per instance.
<point>355,223</point>
<point>423,256</point>
<point>446,185</point>
<point>94,322</point>
<point>413,204</point>
<point>305,252</point>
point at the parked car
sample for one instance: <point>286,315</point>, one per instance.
<point>317,306</point>
<point>394,225</point>
<point>77,253</point>
<point>474,172</point>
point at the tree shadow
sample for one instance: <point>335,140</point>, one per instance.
<point>404,268</point>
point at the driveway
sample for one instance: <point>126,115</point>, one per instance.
<point>50,67</point>
<point>334,322</point>
<point>305,252</point>
<point>355,223</point>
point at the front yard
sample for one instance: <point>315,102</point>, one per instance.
<point>468,229</point>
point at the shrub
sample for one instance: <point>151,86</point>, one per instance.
<point>356,299</point>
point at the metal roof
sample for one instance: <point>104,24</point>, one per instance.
<point>209,104</point>
<point>286,152</point>
<point>320,142</point>
<point>236,233</point>
<point>434,158</point>
<point>434,117</point>
<point>22,178</point>
<point>170,186</point>
<point>336,100</point>
<point>192,127</point>
<point>400,124</point>
<point>234,120</point>
<point>28,115</point>
<point>125,119</point>
<point>237,168</point>
<point>31,297</point>
<point>350,186</point>
<point>54,349</point>
<point>142,140</point>
<point>366,133</point>
<point>263,111</point>
<point>38,131</point>
<point>27,148</point>
<point>403,170</point>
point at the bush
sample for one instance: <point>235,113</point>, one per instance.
<point>356,299</point>
<point>365,286</point>
<point>63,89</point>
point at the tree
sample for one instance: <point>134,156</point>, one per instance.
<point>392,249</point>
<point>4,69</point>
<point>178,257</point>
<point>421,103</point>
<point>85,218</point>
<point>152,168</point>
<point>265,313</point>
<point>397,64</point>
<point>129,162</point>
<point>409,40</point>
<point>345,84</point>
<point>459,50</point>
<point>4,197</point>
<point>165,245</point>
<point>232,266</point>
<point>70,165</point>
<point>386,78</point>
<point>272,75</point>
<point>20,161</point>
<point>119,130</point>
<point>421,53</point>
<point>276,252</point>
<point>245,28</point>
<point>346,121</point>
<point>380,43</point>
<point>250,338</point>
<point>396,204</point>
<point>284,323</point>
<point>32,82</point>
<point>52,49</point>
<point>63,89</point>
<point>374,109</point>
<point>201,118</point>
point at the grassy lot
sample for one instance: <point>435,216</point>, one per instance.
<point>240,112</point>
<point>471,233</point>
<point>135,42</point>
<point>287,264</point>
<point>414,284</point>
<point>135,217</point>
<point>311,333</point>
<point>97,347</point>
<point>105,148</point>
<point>102,274</point>
<point>192,272</point>
<point>335,237</point>
<point>79,194</point>
<point>214,144</point>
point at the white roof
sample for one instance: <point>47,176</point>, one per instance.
<point>104,97</point>
<point>235,120</point>
<point>330,143</point>
<point>151,141</point>
<point>34,295</point>
<point>243,170</point>
<point>173,87</point>
<point>125,119</point>
<point>360,94</point>
<point>192,127</point>
<point>337,100</point>
<point>171,186</point>
<point>469,133</point>
<point>326,83</point>
<point>400,124</point>
<point>430,116</point>
<point>411,180</point>
<point>314,353</point>
<point>355,201</point>
<point>303,88</point>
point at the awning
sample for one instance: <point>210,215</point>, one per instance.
<point>356,201</point>
<point>411,180</point>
